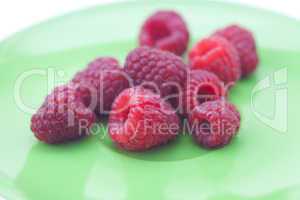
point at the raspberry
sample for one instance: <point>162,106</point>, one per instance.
<point>243,40</point>
<point>201,86</point>
<point>100,83</point>
<point>161,71</point>
<point>165,30</point>
<point>214,123</point>
<point>62,117</point>
<point>217,55</point>
<point>140,120</point>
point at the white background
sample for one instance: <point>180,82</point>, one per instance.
<point>17,14</point>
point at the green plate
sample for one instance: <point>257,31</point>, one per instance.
<point>263,162</point>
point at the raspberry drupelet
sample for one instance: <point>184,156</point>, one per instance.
<point>217,55</point>
<point>163,72</point>
<point>62,117</point>
<point>165,30</point>
<point>100,83</point>
<point>243,40</point>
<point>201,86</point>
<point>213,124</point>
<point>141,120</point>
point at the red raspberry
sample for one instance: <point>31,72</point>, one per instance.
<point>62,117</point>
<point>201,86</point>
<point>161,71</point>
<point>100,83</point>
<point>244,42</point>
<point>217,55</point>
<point>165,30</point>
<point>140,120</point>
<point>214,123</point>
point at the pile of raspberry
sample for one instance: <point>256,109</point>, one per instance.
<point>155,95</point>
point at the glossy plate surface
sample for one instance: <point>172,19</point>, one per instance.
<point>263,162</point>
